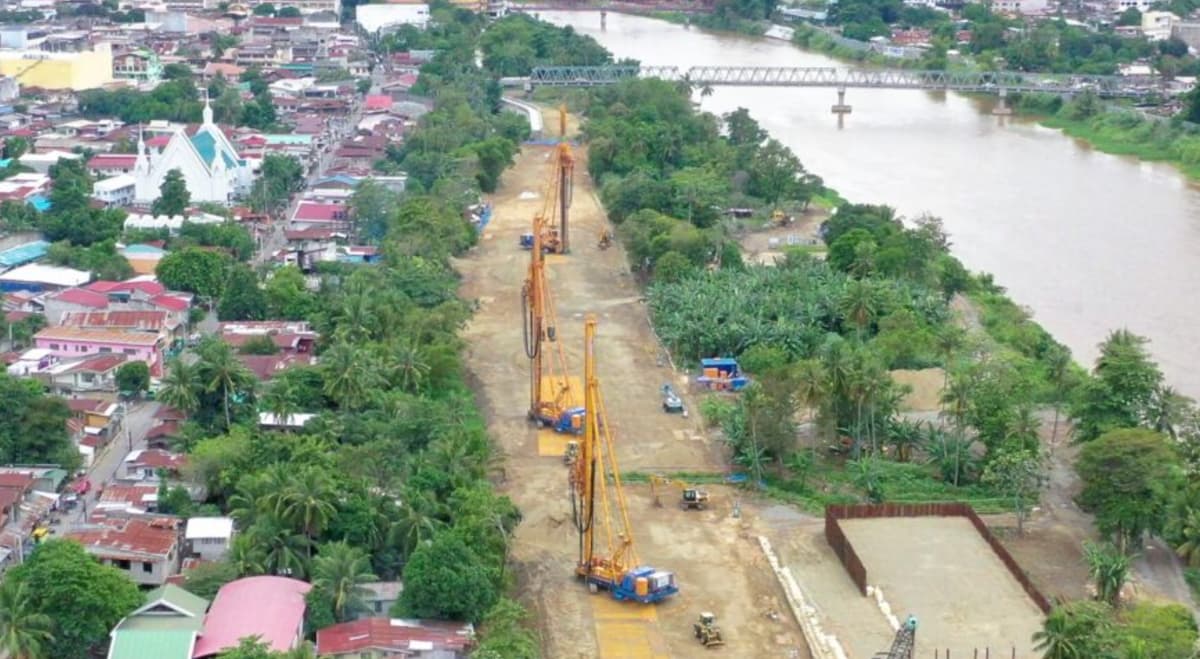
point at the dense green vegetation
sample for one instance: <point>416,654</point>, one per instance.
<point>515,44</point>
<point>390,480</point>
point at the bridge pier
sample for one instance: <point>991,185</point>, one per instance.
<point>841,109</point>
<point>1001,108</point>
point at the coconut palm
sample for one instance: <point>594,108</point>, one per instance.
<point>24,631</point>
<point>811,387</point>
<point>180,386</point>
<point>409,366</point>
<point>1167,410</point>
<point>859,304</point>
<point>1022,428</point>
<point>339,570</point>
<point>1058,369</point>
<point>417,522</point>
<point>222,373</point>
<point>1185,530</point>
<point>306,503</point>
<point>280,550</point>
<point>1073,631</point>
<point>245,556</point>
<point>280,400</point>
<point>349,375</point>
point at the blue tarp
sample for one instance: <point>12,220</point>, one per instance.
<point>39,203</point>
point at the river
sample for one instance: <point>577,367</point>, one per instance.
<point>1087,241</point>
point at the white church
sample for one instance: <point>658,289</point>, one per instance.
<point>210,165</point>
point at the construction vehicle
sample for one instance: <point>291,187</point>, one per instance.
<point>690,498</point>
<point>606,239</point>
<point>723,374</point>
<point>597,497</point>
<point>707,632</point>
<point>553,222</point>
<point>903,644</point>
<point>671,402</point>
<point>553,401</point>
<point>779,218</point>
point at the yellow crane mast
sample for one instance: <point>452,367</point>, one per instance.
<point>553,397</point>
<point>595,499</point>
<point>554,220</point>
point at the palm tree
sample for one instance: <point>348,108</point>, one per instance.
<point>1072,631</point>
<point>409,366</point>
<point>347,375</point>
<point>1187,537</point>
<point>417,522</point>
<point>306,502</point>
<point>339,570</point>
<point>24,632</point>
<point>1167,408</point>
<point>811,388</point>
<point>280,400</point>
<point>1023,428</point>
<point>221,372</point>
<point>1058,369</point>
<point>245,555</point>
<point>859,304</point>
<point>949,340</point>
<point>282,551</point>
<point>180,386</point>
<point>1108,568</point>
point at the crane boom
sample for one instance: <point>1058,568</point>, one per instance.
<point>553,221</point>
<point>594,499</point>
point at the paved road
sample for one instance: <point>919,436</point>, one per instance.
<point>131,436</point>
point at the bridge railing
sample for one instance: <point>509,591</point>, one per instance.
<point>771,76</point>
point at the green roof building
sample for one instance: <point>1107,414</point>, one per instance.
<point>165,627</point>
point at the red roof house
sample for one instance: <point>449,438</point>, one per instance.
<point>147,549</point>
<point>271,608</point>
<point>396,637</point>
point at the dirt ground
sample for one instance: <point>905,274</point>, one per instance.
<point>717,561</point>
<point>766,245</point>
<point>949,578</point>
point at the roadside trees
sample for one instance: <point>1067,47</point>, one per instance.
<point>1128,476</point>
<point>133,377</point>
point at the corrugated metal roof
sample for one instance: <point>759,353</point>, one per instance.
<point>146,644</point>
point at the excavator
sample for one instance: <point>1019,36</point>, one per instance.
<point>553,401</point>
<point>597,497</point>
<point>690,498</point>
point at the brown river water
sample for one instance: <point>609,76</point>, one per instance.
<point>1088,242</point>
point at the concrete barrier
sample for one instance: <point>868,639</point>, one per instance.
<point>821,644</point>
<point>530,111</point>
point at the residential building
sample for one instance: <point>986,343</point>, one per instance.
<point>128,499</point>
<point>118,190</point>
<point>101,418</point>
<point>78,341</point>
<point>22,254</point>
<point>42,161</point>
<point>211,166</point>
<point>152,465</point>
<point>141,65</point>
<point>165,627</point>
<point>384,638</point>
<point>137,294</point>
<point>146,549</point>
<point>103,165</point>
<point>209,537</point>
<point>94,374</point>
<point>1023,7</point>
<point>1117,7</point>
<point>291,337</point>
<point>167,325</point>
<point>379,597</point>
<point>75,71</point>
<point>271,608</point>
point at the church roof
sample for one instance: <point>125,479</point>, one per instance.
<point>206,146</point>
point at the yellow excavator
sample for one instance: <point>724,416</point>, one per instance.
<point>597,497</point>
<point>690,498</point>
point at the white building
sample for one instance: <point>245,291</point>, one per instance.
<point>1118,7</point>
<point>1025,7</point>
<point>209,537</point>
<point>1157,25</point>
<point>374,18</point>
<point>210,165</point>
<point>116,190</point>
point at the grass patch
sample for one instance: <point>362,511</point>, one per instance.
<point>1127,133</point>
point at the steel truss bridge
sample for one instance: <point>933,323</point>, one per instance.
<point>995,82</point>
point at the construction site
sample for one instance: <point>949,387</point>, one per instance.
<point>615,561</point>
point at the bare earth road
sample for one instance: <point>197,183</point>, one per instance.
<point>715,556</point>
